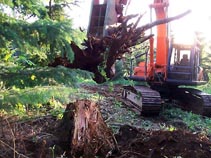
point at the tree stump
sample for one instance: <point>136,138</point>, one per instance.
<point>88,134</point>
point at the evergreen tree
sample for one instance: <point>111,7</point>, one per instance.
<point>33,31</point>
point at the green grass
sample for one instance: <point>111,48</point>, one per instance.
<point>194,122</point>
<point>37,95</point>
<point>42,100</point>
<point>206,88</point>
<point>38,91</point>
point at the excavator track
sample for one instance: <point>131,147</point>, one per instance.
<point>148,101</point>
<point>193,100</point>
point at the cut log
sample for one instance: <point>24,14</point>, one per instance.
<point>88,133</point>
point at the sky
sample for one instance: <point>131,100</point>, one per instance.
<point>198,19</point>
<point>80,14</point>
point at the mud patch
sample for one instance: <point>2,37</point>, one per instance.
<point>139,143</point>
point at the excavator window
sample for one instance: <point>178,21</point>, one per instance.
<point>180,57</point>
<point>184,60</point>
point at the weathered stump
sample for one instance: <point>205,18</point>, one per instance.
<point>88,133</point>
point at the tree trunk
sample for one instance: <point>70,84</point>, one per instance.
<point>88,134</point>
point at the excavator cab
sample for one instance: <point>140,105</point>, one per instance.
<point>184,65</point>
<point>170,63</point>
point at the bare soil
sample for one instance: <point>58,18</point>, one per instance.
<point>137,136</point>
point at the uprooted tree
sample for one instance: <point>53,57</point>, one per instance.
<point>100,54</point>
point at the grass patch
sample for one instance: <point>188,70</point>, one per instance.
<point>41,91</point>
<point>37,95</point>
<point>194,122</point>
<point>41,100</point>
<point>35,101</point>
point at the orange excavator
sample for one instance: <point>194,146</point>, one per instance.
<point>165,69</point>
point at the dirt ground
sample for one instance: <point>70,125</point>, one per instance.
<point>156,144</point>
<point>137,136</point>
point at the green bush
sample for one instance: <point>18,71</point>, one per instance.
<point>193,121</point>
